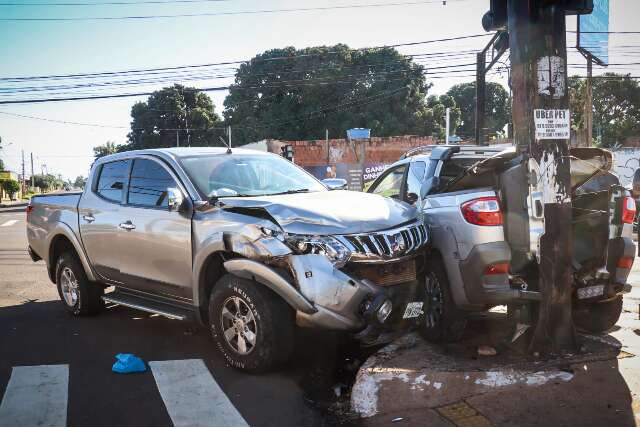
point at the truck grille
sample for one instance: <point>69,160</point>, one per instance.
<point>386,244</point>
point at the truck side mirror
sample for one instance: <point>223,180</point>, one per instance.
<point>335,183</point>
<point>175,199</point>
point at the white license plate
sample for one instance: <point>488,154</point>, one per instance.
<point>414,309</point>
<point>590,292</point>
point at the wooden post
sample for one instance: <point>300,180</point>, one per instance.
<point>588,104</point>
<point>541,127</point>
<point>481,94</point>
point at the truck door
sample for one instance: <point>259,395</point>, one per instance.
<point>155,242</point>
<point>99,216</point>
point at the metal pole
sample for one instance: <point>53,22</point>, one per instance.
<point>446,141</point>
<point>588,107</point>
<point>32,178</point>
<point>481,94</point>
<point>540,94</point>
<point>24,182</point>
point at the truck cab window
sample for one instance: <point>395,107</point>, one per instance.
<point>112,180</point>
<point>391,183</point>
<point>415,178</point>
<point>148,184</point>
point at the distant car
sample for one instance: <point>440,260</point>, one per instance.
<point>246,243</point>
<point>485,226</point>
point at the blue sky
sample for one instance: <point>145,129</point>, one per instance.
<point>44,48</point>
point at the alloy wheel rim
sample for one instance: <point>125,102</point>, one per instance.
<point>69,286</point>
<point>434,298</point>
<point>239,326</point>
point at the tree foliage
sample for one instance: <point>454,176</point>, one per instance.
<point>1,162</point>
<point>498,107</point>
<point>79,182</point>
<point>616,107</point>
<point>327,87</point>
<point>11,186</point>
<point>436,116</point>
<point>171,116</point>
<point>47,182</point>
<point>104,150</point>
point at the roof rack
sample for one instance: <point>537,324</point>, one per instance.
<point>466,149</point>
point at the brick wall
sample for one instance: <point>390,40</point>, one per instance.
<point>377,149</point>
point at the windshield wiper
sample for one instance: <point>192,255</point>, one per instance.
<point>299,190</point>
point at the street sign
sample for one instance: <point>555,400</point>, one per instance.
<point>593,32</point>
<point>552,124</point>
<point>5,175</point>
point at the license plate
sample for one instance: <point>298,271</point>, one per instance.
<point>414,309</point>
<point>590,292</point>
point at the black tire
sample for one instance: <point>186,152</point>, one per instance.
<point>261,313</point>
<point>442,320</point>
<point>599,316</point>
<point>88,299</point>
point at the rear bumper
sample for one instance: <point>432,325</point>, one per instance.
<point>484,289</point>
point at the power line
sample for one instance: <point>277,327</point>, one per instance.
<point>114,3</point>
<point>232,13</point>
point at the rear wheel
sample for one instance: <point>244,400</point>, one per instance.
<point>599,316</point>
<point>442,320</point>
<point>79,296</point>
<point>253,328</point>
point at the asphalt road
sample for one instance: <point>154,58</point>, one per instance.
<point>36,330</point>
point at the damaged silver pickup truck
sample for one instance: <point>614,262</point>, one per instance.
<point>244,242</point>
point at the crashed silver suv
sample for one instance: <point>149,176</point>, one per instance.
<point>244,242</point>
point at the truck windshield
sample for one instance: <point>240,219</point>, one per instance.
<point>248,175</point>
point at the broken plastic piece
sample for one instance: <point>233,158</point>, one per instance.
<point>127,364</point>
<point>486,350</point>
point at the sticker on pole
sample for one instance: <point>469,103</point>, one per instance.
<point>552,124</point>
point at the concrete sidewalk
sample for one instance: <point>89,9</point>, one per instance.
<point>13,206</point>
<point>412,382</point>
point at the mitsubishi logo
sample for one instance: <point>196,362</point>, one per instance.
<point>396,243</point>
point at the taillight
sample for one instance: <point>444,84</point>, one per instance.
<point>29,209</point>
<point>482,211</point>
<point>628,210</point>
<point>625,262</point>
<point>495,269</point>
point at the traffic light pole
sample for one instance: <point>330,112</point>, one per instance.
<point>541,132</point>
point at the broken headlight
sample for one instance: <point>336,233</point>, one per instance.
<point>322,245</point>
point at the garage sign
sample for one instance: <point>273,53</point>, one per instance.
<point>552,124</point>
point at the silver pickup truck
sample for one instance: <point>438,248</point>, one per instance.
<point>486,225</point>
<point>244,242</point>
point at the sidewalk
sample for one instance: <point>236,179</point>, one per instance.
<point>412,382</point>
<point>13,206</point>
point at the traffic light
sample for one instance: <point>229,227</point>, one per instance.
<point>496,18</point>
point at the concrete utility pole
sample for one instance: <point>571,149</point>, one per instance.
<point>588,103</point>
<point>481,94</point>
<point>541,125</point>
<point>447,120</point>
<point>32,177</point>
<point>24,177</point>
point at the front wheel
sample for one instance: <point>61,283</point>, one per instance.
<point>599,316</point>
<point>442,320</point>
<point>253,328</point>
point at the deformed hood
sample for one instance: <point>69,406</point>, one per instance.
<point>327,212</point>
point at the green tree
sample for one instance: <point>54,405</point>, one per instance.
<point>616,107</point>
<point>104,150</point>
<point>47,182</point>
<point>436,116</point>
<point>498,107</point>
<point>11,186</point>
<point>326,87</point>
<point>79,182</point>
<point>1,162</point>
<point>171,116</point>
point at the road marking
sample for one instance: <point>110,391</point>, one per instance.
<point>192,396</point>
<point>10,223</point>
<point>36,396</point>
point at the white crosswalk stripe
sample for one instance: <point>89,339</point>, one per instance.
<point>36,396</point>
<point>192,396</point>
<point>10,223</point>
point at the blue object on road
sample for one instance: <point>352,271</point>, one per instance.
<point>127,364</point>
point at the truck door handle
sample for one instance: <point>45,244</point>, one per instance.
<point>89,218</point>
<point>127,226</point>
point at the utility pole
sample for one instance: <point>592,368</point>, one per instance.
<point>588,103</point>
<point>541,126</point>
<point>24,182</point>
<point>448,115</point>
<point>481,93</point>
<point>32,178</point>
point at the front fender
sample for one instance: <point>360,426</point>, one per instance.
<point>253,270</point>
